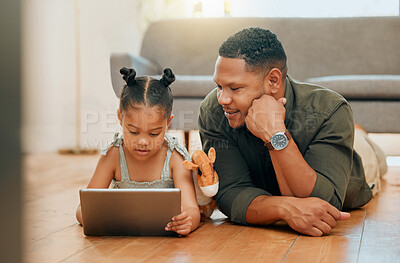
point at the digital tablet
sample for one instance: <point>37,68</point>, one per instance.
<point>126,212</point>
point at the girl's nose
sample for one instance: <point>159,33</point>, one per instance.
<point>143,141</point>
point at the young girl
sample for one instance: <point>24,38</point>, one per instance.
<point>145,156</point>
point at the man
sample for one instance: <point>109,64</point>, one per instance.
<point>284,149</point>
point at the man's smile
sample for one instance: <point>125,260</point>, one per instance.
<point>231,113</point>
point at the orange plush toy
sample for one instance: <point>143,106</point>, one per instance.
<point>205,179</point>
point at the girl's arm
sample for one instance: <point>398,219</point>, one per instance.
<point>103,174</point>
<point>189,219</point>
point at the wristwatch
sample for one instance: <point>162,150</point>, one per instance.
<point>279,141</point>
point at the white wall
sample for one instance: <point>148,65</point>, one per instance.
<point>48,73</point>
<point>106,26</point>
<point>49,62</point>
<point>314,8</point>
<point>49,69</point>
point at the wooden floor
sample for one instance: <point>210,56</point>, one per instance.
<point>51,184</point>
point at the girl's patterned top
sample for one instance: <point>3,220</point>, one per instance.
<point>164,182</point>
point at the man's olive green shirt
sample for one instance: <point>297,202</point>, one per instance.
<point>320,122</point>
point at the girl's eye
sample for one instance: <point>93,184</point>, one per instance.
<point>133,132</point>
<point>154,134</point>
<point>233,89</point>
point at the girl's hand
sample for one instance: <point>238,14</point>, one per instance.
<point>181,224</point>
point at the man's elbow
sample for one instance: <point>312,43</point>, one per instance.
<point>306,189</point>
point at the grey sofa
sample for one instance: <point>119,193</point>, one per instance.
<point>357,57</point>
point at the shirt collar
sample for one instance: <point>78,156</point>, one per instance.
<point>290,101</point>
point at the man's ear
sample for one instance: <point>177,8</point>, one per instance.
<point>169,120</point>
<point>119,116</point>
<point>273,80</point>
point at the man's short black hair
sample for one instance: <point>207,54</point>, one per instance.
<point>259,47</point>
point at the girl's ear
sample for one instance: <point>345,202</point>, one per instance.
<point>119,116</point>
<point>170,119</point>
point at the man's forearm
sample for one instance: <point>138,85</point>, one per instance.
<point>312,216</point>
<point>264,210</point>
<point>295,177</point>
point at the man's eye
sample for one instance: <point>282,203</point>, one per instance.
<point>233,89</point>
<point>133,132</point>
<point>154,134</point>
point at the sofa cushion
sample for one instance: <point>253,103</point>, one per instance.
<point>192,86</point>
<point>314,46</point>
<point>386,87</point>
<point>377,116</point>
<point>142,66</point>
<point>183,86</point>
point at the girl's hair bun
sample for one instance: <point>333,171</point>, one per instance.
<point>129,75</point>
<point>167,77</point>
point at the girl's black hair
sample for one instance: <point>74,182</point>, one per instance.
<point>146,91</point>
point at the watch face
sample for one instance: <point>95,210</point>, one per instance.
<point>279,141</point>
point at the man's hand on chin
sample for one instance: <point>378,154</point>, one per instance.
<point>266,116</point>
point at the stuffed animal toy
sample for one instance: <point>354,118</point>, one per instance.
<point>205,180</point>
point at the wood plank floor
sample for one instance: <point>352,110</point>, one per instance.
<point>51,233</point>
